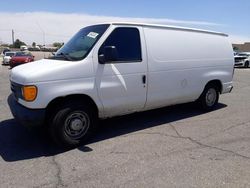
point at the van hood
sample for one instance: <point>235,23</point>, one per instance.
<point>49,70</point>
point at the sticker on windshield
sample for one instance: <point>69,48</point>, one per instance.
<point>93,35</point>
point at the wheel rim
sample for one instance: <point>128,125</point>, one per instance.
<point>76,125</point>
<point>211,96</point>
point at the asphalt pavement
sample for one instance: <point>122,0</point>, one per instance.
<point>177,146</point>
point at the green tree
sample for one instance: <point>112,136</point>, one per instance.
<point>58,44</point>
<point>33,44</point>
<point>235,48</point>
<point>18,43</point>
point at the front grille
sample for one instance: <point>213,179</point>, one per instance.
<point>239,59</point>
<point>16,90</point>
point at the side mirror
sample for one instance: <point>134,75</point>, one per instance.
<point>101,59</point>
<point>110,54</point>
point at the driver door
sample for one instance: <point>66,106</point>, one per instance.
<point>121,83</point>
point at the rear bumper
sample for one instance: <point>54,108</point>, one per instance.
<point>26,116</point>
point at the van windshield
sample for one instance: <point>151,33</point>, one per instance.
<point>78,47</point>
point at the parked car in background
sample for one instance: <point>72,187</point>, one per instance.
<point>21,58</point>
<point>7,57</point>
<point>242,59</point>
<point>6,50</point>
<point>23,48</point>
<point>34,48</point>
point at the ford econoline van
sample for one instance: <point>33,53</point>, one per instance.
<point>113,69</point>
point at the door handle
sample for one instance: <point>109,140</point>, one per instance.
<point>144,79</point>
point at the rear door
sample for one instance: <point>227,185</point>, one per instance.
<point>121,84</point>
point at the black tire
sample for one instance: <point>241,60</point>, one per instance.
<point>72,124</point>
<point>246,64</point>
<point>209,97</point>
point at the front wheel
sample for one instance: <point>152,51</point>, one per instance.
<point>247,64</point>
<point>209,97</point>
<point>72,124</point>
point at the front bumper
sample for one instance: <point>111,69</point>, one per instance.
<point>12,65</point>
<point>239,64</point>
<point>6,62</point>
<point>26,116</point>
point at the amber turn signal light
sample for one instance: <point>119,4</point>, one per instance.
<point>29,93</point>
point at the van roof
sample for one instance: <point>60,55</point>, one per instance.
<point>170,27</point>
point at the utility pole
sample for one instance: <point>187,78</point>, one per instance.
<point>43,37</point>
<point>13,38</point>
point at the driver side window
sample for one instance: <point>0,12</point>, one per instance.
<point>127,42</point>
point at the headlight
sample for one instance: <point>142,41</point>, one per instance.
<point>29,93</point>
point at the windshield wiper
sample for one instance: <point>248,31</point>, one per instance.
<point>65,56</point>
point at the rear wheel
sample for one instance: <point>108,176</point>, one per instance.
<point>209,97</point>
<point>72,124</point>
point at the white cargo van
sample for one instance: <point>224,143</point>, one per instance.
<point>114,69</point>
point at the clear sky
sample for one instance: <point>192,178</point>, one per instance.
<point>232,17</point>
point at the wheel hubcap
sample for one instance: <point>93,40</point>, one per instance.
<point>211,97</point>
<point>76,125</point>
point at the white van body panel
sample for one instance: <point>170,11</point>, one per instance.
<point>177,63</point>
<point>181,63</point>
<point>55,78</point>
<point>47,70</point>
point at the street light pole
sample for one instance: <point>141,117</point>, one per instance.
<point>13,38</point>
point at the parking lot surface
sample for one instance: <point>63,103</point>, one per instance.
<point>176,146</point>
